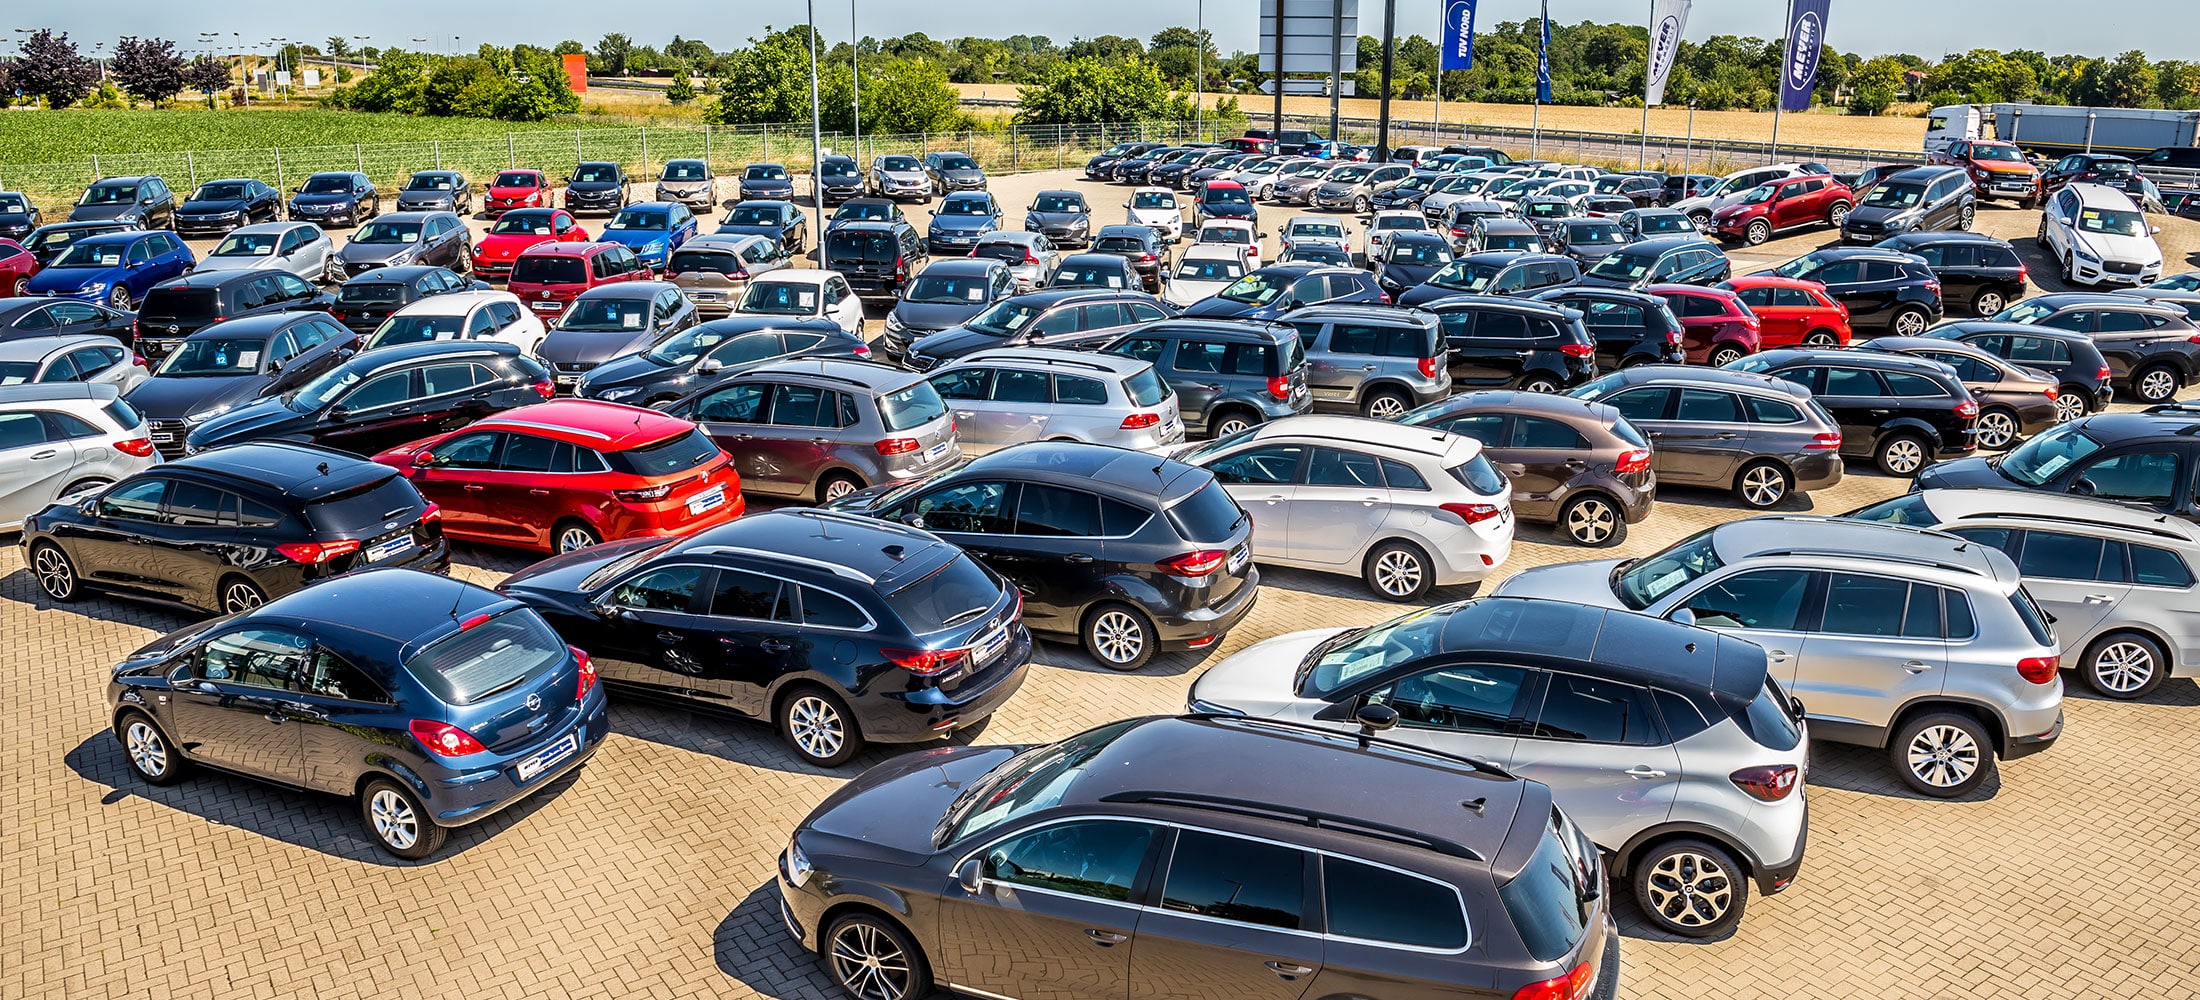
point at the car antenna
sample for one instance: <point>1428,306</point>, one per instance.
<point>322,468</point>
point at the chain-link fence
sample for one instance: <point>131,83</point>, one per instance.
<point>1618,150</point>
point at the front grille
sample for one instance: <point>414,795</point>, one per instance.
<point>919,362</point>
<point>2121,267</point>
<point>574,367</point>
<point>174,429</point>
<point>1865,227</point>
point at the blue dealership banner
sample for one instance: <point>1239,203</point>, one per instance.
<point>1543,59</point>
<point>1459,34</point>
<point>1806,41</point>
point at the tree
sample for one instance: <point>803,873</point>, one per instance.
<point>1106,47</point>
<point>769,81</point>
<point>612,52</point>
<point>908,95</point>
<point>681,90</point>
<point>695,52</point>
<point>1877,83</point>
<point>207,75</point>
<point>50,68</point>
<point>2128,82</point>
<point>1094,89</point>
<point>339,47</point>
<point>1177,52</point>
<point>148,68</point>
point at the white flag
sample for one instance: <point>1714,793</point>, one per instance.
<point>1668,18</point>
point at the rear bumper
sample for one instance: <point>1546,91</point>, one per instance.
<point>1817,471</point>
<point>930,713</point>
<point>459,797</point>
<point>1181,631</point>
<point>2026,746</point>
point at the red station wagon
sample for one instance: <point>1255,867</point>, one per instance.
<point>1795,313</point>
<point>570,473</point>
<point>549,276</point>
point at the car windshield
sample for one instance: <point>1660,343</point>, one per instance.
<point>217,191</point>
<point>1760,194</point>
<point>1153,199</point>
<point>414,330</point>
<point>523,224</point>
<point>2040,460</point>
<point>688,260</point>
<point>915,406</point>
<point>1512,241</point>
<point>1210,269</point>
<point>328,184</point>
<point>687,346</point>
<point>1059,203</point>
<point>1466,275</point>
<point>694,170</point>
<point>779,298</point>
<point>754,215</point>
<point>1090,274</point>
<point>1549,210</point>
<point>1594,234</point>
<point>1641,582</point>
<point>1889,195</point>
<point>1394,223</point>
<point>387,233</point>
<point>646,219</point>
<point>966,206</point>
<point>1907,509</point>
<point>899,163</point>
<point>868,247</point>
<point>1006,317</point>
<point>1801,267</point>
<point>17,372</point>
<point>91,255</point>
<point>1030,781</point>
<point>213,356</point>
<point>109,194</point>
<point>549,269</point>
<point>1317,231</point>
<point>489,658</point>
<point>1225,196</point>
<point>947,288</point>
<point>514,180</point>
<point>1662,223</point>
<point>1119,244</point>
<point>1231,235</point>
<point>254,244</point>
<point>322,391</point>
<point>2002,154</point>
<point>1254,289</point>
<point>958,162</point>
<point>1317,255</point>
<point>606,314</point>
<point>858,212</point>
<point>765,173</point>
<point>54,239</point>
<point>1347,175</point>
<point>835,168</point>
<point>429,182</point>
<point>1419,252</point>
<point>595,173</point>
<point>1352,655</point>
<point>2112,221</point>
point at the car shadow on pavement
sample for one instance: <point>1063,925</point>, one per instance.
<point>1867,770</point>
<point>312,820</point>
<point>1635,924</point>
<point>753,946</point>
<point>751,742</point>
<point>22,588</point>
<point>2175,692</point>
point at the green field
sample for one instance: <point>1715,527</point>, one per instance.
<point>74,136</point>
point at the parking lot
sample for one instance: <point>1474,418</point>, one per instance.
<point>650,871</point>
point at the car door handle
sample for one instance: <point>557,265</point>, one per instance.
<point>1207,386</point>
<point>1370,501</point>
<point>475,487</point>
<point>669,637</point>
<point>1524,353</point>
<point>1726,435</point>
<point>48,453</point>
<point>1274,499</point>
<point>1287,971</point>
<point>1776,655</point>
<point>1367,368</point>
<point>1644,771</point>
<point>744,437</point>
<point>2089,598</point>
<point>1106,939</point>
<point>1077,557</point>
<point>964,413</point>
<point>1917,666</point>
<point>539,493</point>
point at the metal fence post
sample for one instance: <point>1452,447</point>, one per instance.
<point>645,152</point>
<point>279,184</point>
<point>767,130</point>
<point>192,167</point>
<point>439,154</point>
<point>511,152</point>
<point>706,142</point>
<point>359,156</point>
<point>95,167</point>
<point>1015,150</point>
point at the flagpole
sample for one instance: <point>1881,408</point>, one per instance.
<point>1542,59</point>
<point>1779,99</point>
<point>1644,153</point>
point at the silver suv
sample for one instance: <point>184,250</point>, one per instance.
<point>1003,398</point>
<point>822,428</point>
<point>2117,579</point>
<point>1911,640</point>
<point>1372,360</point>
<point>1673,747</point>
<point>64,438</point>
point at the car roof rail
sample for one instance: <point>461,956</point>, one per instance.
<point>834,568</point>
<point>1485,767</point>
<point>1305,817</point>
<point>1895,557</point>
<point>2172,530</point>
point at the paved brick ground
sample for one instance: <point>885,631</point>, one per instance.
<point>648,872</point>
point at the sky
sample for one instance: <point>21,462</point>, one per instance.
<point>1929,28</point>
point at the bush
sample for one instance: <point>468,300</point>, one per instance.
<point>1870,100</point>
<point>682,89</point>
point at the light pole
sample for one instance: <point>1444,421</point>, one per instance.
<point>817,136</point>
<point>244,70</point>
<point>855,81</point>
<point>1199,73</point>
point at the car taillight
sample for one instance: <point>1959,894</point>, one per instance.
<point>545,389</point>
<point>139,447</point>
<point>1384,296</point>
<point>2194,339</point>
<point>1140,421</point>
<point>2051,392</point>
<point>1458,231</point>
<point>588,671</point>
<point>1967,409</point>
<point>2102,375</point>
<point>1471,513</point>
<point>1198,562</point>
<point>1428,367</point>
<point>1933,287</point>
<point>861,350</point>
<point>1028,257</point>
<point>316,553</point>
<point>643,495</point>
<point>897,446</point>
<point>1633,460</point>
<point>443,739</point>
<point>1280,387</point>
<point>927,662</point>
<point>1769,783</point>
<point>432,512</point>
<point>1572,986</point>
<point>1824,442</point>
<point>2024,274</point>
<point>1577,350</point>
<point>2039,669</point>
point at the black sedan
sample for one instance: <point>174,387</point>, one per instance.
<point>46,242</point>
<point>1410,259</point>
<point>778,221</point>
<point>384,397</point>
<point>766,182</point>
<point>39,316</point>
<point>1142,246</point>
<point>713,350</point>
<point>217,207</point>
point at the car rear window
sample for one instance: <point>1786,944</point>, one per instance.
<point>945,597</point>
<point>1208,516</point>
<point>492,657</point>
<point>1550,900</point>
<point>187,304</point>
<point>713,261</point>
<point>123,414</point>
<point>364,510</point>
<point>1628,432</point>
<point>915,406</point>
<point>1479,475</point>
<point>550,271</point>
<point>868,248</point>
<point>677,453</point>
<point>1769,720</point>
<point>2034,621</point>
<point>1146,388</point>
<point>373,293</point>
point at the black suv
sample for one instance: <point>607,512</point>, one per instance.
<point>1271,291</point>
<point>877,258</point>
<point>228,530</point>
<point>712,350</point>
<point>1102,165</point>
<point>840,176</point>
<point>1917,200</point>
<point>387,397</point>
<point>232,363</point>
<point>1978,273</point>
<point>1287,859</point>
<point>1227,376</point>
<point>366,299</point>
<point>180,307</point>
<point>1513,343</point>
<point>1127,553</point>
<point>836,629</point>
<point>1141,246</point>
<point>596,187</point>
<point>1494,272</point>
<point>1884,289</point>
<point>2142,458</point>
<point>2071,357</point>
<point>1899,411</point>
<point>1630,328</point>
<point>2153,349</point>
<point>1663,260</point>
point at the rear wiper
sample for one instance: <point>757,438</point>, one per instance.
<point>501,688</point>
<point>961,616</point>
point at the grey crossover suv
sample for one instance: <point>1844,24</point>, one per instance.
<point>1102,865</point>
<point>1371,360</point>
<point>824,428</point>
<point>1229,376</point>
<point>1007,397</point>
<point>1761,437</point>
<point>1576,464</point>
<point>1671,745</point>
<point>1915,641</point>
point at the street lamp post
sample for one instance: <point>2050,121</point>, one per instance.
<point>817,133</point>
<point>1199,74</point>
<point>244,69</point>
<point>855,80</point>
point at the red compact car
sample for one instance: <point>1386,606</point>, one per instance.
<point>549,276</point>
<point>1716,328</point>
<point>16,267</point>
<point>1795,313</point>
<point>1777,206</point>
<point>517,230</point>
<point>570,473</point>
<point>512,189</point>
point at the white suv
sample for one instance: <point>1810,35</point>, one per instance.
<point>63,438</point>
<point>2099,237</point>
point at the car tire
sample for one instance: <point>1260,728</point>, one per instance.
<point>2124,666</point>
<point>56,573</point>
<point>1361,206</point>
<point>1398,571</point>
<point>152,756</point>
<point>817,726</point>
<point>1691,888</point>
<point>1724,356</point>
<point>1901,454</point>
<point>1593,520</point>
<point>1702,220</point>
<point>1231,421</point>
<point>836,485</point>
<point>465,261</point>
<point>572,536</point>
<point>1942,754</point>
<point>2155,384</point>
<point>872,958</point>
<point>1997,428</point>
<point>236,593</point>
<point>1987,303</point>
<point>1966,218</point>
<point>1538,382</point>
<point>1909,322</point>
<point>398,821</point>
<point>1762,484</point>
<point>2071,402</point>
<point>21,289</point>
<point>1385,404</point>
<point>118,298</point>
<point>1758,232</point>
<point>1119,636</point>
<point>1821,338</point>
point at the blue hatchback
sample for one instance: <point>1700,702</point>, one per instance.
<point>115,269</point>
<point>652,229</point>
<point>431,702</point>
<point>961,218</point>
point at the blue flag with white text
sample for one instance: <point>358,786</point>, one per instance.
<point>1458,34</point>
<point>1806,41</point>
<point>1543,59</point>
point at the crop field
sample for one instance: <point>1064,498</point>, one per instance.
<point>61,136</point>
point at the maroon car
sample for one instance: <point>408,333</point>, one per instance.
<point>1717,328</point>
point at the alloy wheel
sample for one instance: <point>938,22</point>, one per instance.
<point>2068,406</point>
<point>2157,385</point>
<point>575,538</point>
<point>1543,385</point>
<point>1943,756</point>
<point>1763,486</point>
<point>1996,430</point>
<point>241,596</point>
<point>55,575</point>
<point>1909,324</point>
<point>1386,407</point>
<point>1398,573</point>
<point>2122,667</point>
<point>1724,356</point>
<point>816,726</point>
<point>1118,637</point>
<point>869,964</point>
<point>1988,303</point>
<point>838,488</point>
<point>148,752</point>
<point>1821,339</point>
<point>394,819</point>
<point>1690,889</point>
<point>1590,521</point>
<point>1903,456</point>
<point>1230,425</point>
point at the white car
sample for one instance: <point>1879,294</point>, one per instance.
<point>1390,222</point>
<point>1570,171</point>
<point>38,466</point>
<point>298,247</point>
<point>1155,208</point>
<point>1308,230</point>
<point>1456,188</point>
<point>1345,512</point>
<point>486,315</point>
<point>1730,189</point>
<point>804,293</point>
<point>2099,237</point>
<point>1204,269</point>
<point>1260,174</point>
<point>1237,233</point>
<point>65,357</point>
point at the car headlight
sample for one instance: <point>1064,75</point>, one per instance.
<point>654,246</point>
<point>93,288</point>
<point>197,417</point>
<point>1080,222</point>
<point>794,866</point>
<point>130,216</point>
<point>1202,707</point>
<point>614,395</point>
<point>2086,256</point>
<point>1031,223</point>
<point>894,323</point>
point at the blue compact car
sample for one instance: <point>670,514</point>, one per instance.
<point>114,269</point>
<point>652,229</point>
<point>961,218</point>
<point>353,687</point>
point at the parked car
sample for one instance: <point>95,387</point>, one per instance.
<point>877,258</point>
<point>516,231</point>
<point>1587,240</point>
<point>1901,412</point>
<point>1509,342</point>
<point>170,534</point>
<point>2099,237</point>
<point>1704,206</point>
<point>824,428</point>
<point>947,294</point>
<point>436,191</point>
<point>1095,270</point>
<point>1062,217</point>
<point>79,358</point>
<point>1681,187</point>
<point>1917,200</point>
<point>1561,692</point>
<point>2138,458</point>
<point>1574,464</point>
<point>1101,166</point>
<point>765,182</point>
<point>1761,438</point>
<point>1295,182</point>
<point>1153,208</point>
<point>2082,374</point>
<point>231,363</point>
<point>1652,223</point>
<point>961,218</point>
<point>803,293</point>
<point>839,177</point>
<point>1120,796</point>
<point>18,216</point>
<point>115,270</point>
<point>1491,232</point>
<point>1717,329</point>
<point>1778,206</point>
<point>38,316</point>
<point>1228,376</point>
<point>708,351</point>
<point>1493,272</point>
<point>2014,402</point>
<point>778,221</point>
<point>1408,260</point>
<point>1883,290</point>
<point>1269,292</point>
<point>1028,256</point>
<point>1998,169</point>
<point>1629,328</point>
<point>1661,260</point>
<point>517,188</point>
<point>336,197</point>
<point>1388,224</point>
<point>865,210</point>
<point>694,184</point>
<point>472,315</point>
<point>219,206</point>
<point>48,241</point>
<point>61,439</point>
<point>1791,312</point>
<point>1066,318</point>
<point>1167,557</point>
<point>144,202</point>
<point>381,398</point>
<point>437,238</point>
<point>1009,397</point>
<point>1369,360</point>
<point>951,172</point>
<point>16,267</point>
<point>1223,199</point>
<point>1978,273</point>
<point>1314,229</point>
<point>300,248</point>
<point>612,321</point>
<point>364,301</point>
<point>1142,247</point>
<point>1543,213</point>
<point>2124,642</point>
<point>1244,237</point>
<point>1203,270</point>
<point>549,277</point>
<point>596,187</point>
<point>2149,347</point>
<point>652,230</point>
<point>713,271</point>
<point>899,176</point>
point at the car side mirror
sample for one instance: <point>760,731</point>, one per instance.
<point>339,414</point>
<point>913,520</point>
<point>1681,616</point>
<point>1262,236</point>
<point>710,366</point>
<point>423,459</point>
<point>2062,220</point>
<point>968,876</point>
<point>2154,230</point>
<point>1375,719</point>
<point>2084,487</point>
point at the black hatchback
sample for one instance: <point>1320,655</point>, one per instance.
<point>2148,459</point>
<point>1630,328</point>
<point>1899,411</point>
<point>228,530</point>
<point>366,299</point>
<point>232,363</point>
<point>1494,272</point>
<point>1979,274</point>
<point>387,397</point>
<point>1885,290</point>
<point>180,307</point>
<point>2071,357</point>
<point>837,629</point>
<point>1662,260</point>
<point>1129,553</point>
<point>1498,342</point>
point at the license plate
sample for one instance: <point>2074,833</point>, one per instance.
<point>1239,558</point>
<point>164,439</point>
<point>707,501</point>
<point>544,306</point>
<point>389,548</point>
<point>548,756</point>
<point>991,646</point>
<point>703,297</point>
<point>936,451</point>
<point>569,380</point>
<point>2013,186</point>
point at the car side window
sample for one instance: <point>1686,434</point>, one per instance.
<point>825,609</point>
<point>1349,469</point>
<point>1480,698</point>
<point>979,507</point>
<point>331,676</point>
<point>1012,386</point>
<point>1851,382</point>
<point>962,383</point>
<point>2155,567</point>
<point>1401,476</point>
<point>1643,404</point>
<point>1757,297</point>
<point>802,406</point>
<point>1906,384</point>
<point>528,453</point>
<point>671,588</point>
<point>21,430</point>
<point>738,594</point>
<point>1858,604</point>
<point>445,380</point>
<point>2057,555</point>
<point>289,287</point>
<point>1058,512</point>
<point>1273,464</point>
<point>1771,411</point>
<point>2117,321</point>
<point>1542,432</point>
<point>1591,710</point>
<point>1766,599</point>
<point>1097,859</point>
<point>1144,312</point>
<point>140,252</point>
<point>1500,325</point>
<point>63,369</point>
<point>1709,406</point>
<point>138,501</point>
<point>257,657</point>
<point>2149,476</point>
<point>468,451</point>
<point>1078,390</point>
<point>1058,322</point>
<point>1201,356</point>
<point>738,404</point>
<point>1238,880</point>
